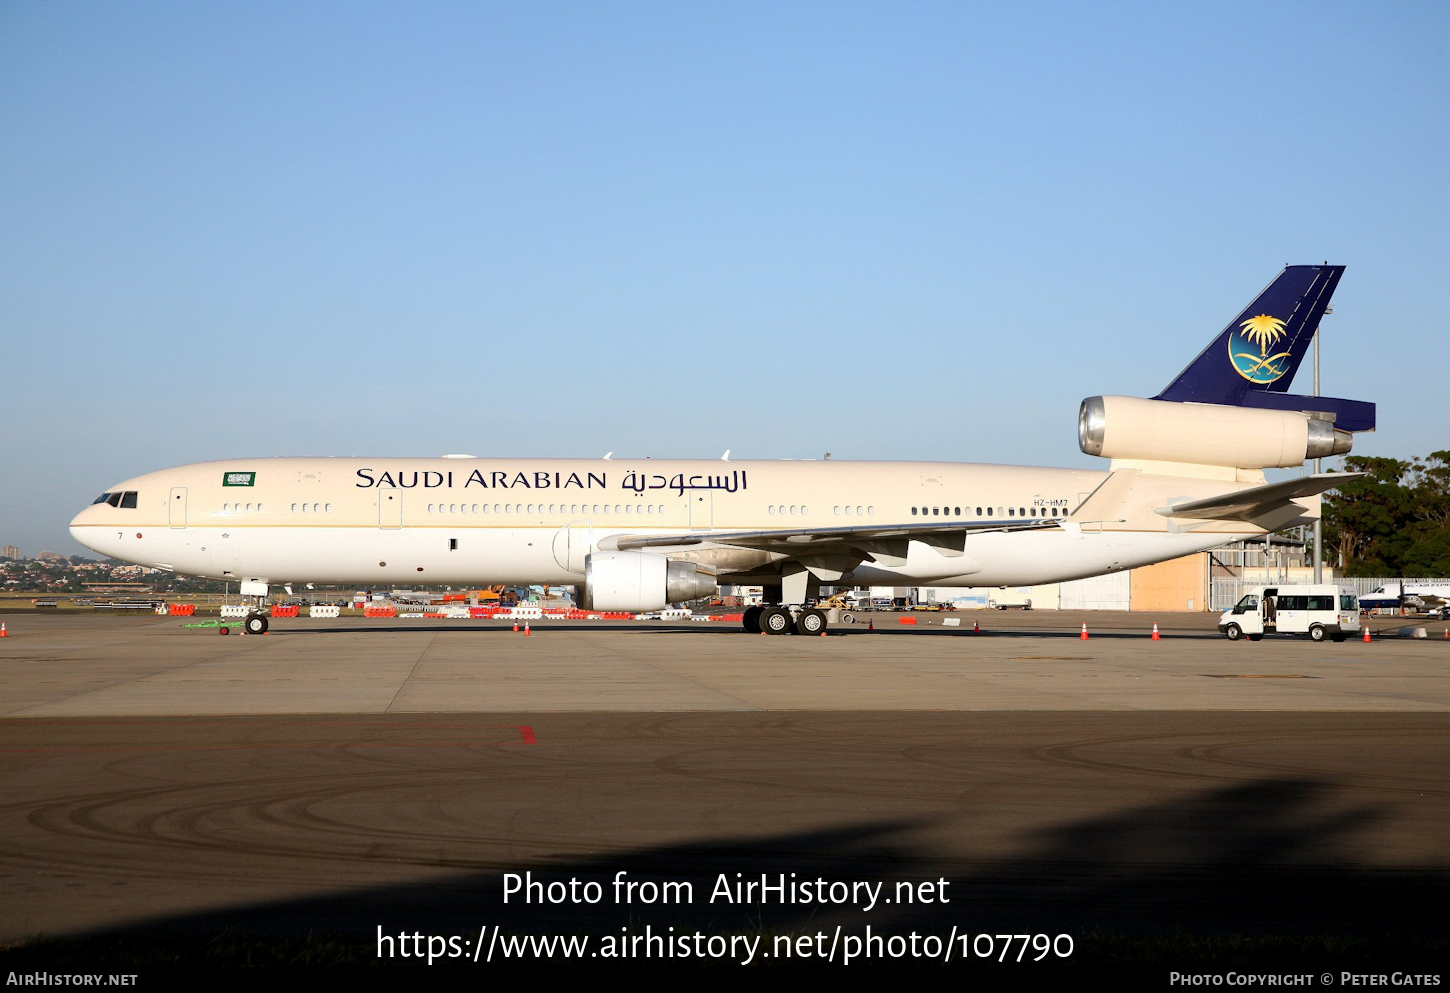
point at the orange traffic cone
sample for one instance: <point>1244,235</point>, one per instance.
<point>823,634</point>
<point>976,628</point>
<point>1367,638</point>
<point>871,624</point>
<point>1084,635</point>
<point>1447,633</point>
<point>3,632</point>
<point>516,627</point>
<point>527,632</point>
<point>1155,633</point>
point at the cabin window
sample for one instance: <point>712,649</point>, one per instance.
<point>848,511</point>
<point>936,511</point>
<point>1011,512</point>
<point>294,508</point>
<point>913,511</point>
<point>979,511</point>
<point>870,511</point>
<point>453,544</point>
<point>770,510</point>
<point>327,507</point>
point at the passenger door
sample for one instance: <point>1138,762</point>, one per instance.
<point>390,509</point>
<point>702,510</point>
<point>176,507</point>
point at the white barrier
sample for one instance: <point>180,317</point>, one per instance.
<point>700,617</point>
<point>324,610</point>
<point>951,622</point>
<point>235,610</point>
<point>527,613</point>
<point>675,614</point>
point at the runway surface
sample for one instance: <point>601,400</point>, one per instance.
<point>1117,785</point>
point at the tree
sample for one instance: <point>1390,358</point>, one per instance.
<point>1395,519</point>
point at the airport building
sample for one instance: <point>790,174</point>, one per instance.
<point>1205,581</point>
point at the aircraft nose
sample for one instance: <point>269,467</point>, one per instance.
<point>81,532</point>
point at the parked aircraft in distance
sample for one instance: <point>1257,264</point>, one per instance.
<point>1186,474</point>
<point>1430,598</point>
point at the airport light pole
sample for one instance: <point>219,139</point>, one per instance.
<point>1319,521</point>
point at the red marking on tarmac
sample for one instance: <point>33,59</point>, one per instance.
<point>528,733</point>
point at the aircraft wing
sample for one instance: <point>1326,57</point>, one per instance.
<point>944,534</point>
<point>1256,501</point>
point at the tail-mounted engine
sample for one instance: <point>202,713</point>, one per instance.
<point>1118,427</point>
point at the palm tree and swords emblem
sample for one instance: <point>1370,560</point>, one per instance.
<point>1265,366</point>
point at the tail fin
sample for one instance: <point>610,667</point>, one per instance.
<point>1252,361</point>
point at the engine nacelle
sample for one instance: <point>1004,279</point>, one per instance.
<point>640,581</point>
<point>1204,433</point>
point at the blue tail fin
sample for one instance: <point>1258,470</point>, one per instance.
<point>1252,361</point>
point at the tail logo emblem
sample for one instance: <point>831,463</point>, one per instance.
<point>1251,350</point>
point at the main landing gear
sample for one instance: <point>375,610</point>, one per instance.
<point>784,620</point>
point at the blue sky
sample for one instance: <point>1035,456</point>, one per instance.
<point>884,230</point>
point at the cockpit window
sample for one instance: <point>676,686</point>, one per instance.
<point>114,499</point>
<point>128,500</point>
<point>103,498</point>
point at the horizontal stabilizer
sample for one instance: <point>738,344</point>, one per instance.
<point>1346,415</point>
<point>1256,501</point>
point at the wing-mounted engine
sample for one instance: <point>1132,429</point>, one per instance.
<point>640,581</point>
<point>1119,427</point>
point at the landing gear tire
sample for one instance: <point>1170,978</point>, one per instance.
<point>776,620</point>
<point>255,624</point>
<point>1317,632</point>
<point>751,620</point>
<point>1233,632</point>
<point>811,622</point>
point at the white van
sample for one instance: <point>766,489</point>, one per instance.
<point>1318,611</point>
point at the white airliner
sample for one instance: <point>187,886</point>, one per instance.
<point>1186,475</point>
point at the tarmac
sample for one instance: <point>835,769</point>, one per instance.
<point>335,777</point>
<point>72,666</point>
